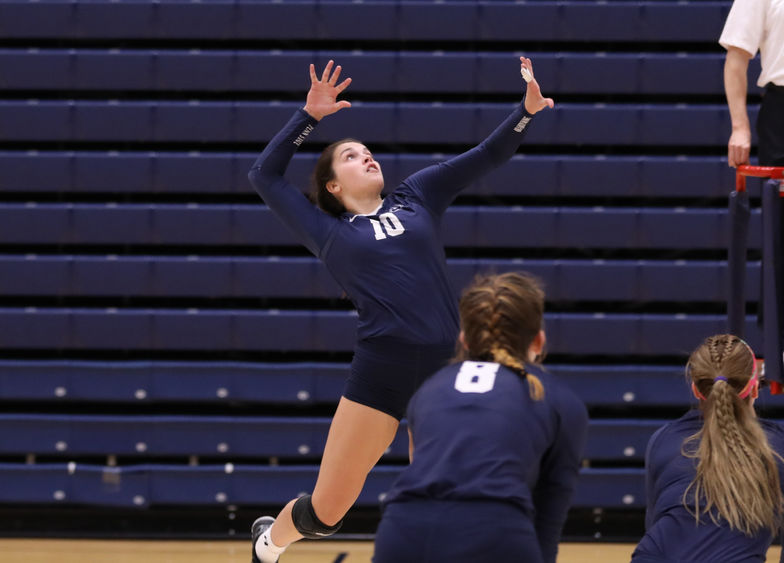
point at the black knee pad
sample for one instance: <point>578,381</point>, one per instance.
<point>307,523</point>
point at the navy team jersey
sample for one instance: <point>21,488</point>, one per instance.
<point>478,435</point>
<point>671,533</point>
<point>390,263</point>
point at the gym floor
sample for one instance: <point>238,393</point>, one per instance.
<point>37,550</point>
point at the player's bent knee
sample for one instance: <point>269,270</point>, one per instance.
<point>307,523</point>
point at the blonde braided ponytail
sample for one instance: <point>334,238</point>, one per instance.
<point>737,476</point>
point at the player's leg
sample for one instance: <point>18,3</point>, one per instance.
<point>358,437</point>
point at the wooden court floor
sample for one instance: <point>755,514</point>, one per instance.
<point>143,551</point>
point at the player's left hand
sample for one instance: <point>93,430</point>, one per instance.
<point>534,100</point>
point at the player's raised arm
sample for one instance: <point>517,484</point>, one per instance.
<point>438,185</point>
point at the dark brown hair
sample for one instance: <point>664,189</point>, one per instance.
<point>501,316</point>
<point>737,476</point>
<point>323,173</point>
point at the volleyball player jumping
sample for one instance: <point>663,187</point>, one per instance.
<point>387,255</point>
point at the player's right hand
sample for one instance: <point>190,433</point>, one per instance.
<point>323,93</point>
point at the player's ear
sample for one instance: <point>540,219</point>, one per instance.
<point>461,339</point>
<point>537,346</point>
<point>333,187</point>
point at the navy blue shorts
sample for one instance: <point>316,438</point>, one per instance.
<point>385,372</point>
<point>433,531</point>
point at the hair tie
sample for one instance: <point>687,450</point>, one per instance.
<point>747,389</point>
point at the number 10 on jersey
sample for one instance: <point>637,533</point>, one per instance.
<point>387,224</point>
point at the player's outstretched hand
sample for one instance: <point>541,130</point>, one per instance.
<point>534,101</point>
<point>323,93</point>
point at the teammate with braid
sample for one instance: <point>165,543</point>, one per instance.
<point>497,442</point>
<point>714,475</point>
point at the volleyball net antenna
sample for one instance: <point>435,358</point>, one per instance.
<point>771,300</point>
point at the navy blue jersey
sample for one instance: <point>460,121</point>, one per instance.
<point>671,533</point>
<point>390,263</point>
<point>477,434</point>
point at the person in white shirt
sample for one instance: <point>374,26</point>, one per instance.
<point>751,26</point>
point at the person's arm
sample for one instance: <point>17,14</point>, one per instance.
<point>736,67</point>
<point>309,224</point>
<point>558,477</point>
<point>650,480</point>
<point>439,184</point>
<point>410,424</point>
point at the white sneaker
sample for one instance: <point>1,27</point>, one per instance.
<point>260,526</point>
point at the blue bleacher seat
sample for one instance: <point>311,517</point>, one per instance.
<point>326,331</point>
<point>31,69</point>
<point>286,383</point>
<point>108,171</point>
<point>27,275</point>
<point>102,120</point>
<point>372,122</point>
<point>110,223</point>
<point>466,226</point>
<point>146,485</point>
<point>36,120</point>
<point>224,173</point>
<point>200,172</point>
<point>173,381</point>
<point>204,276</point>
<point>106,329</point>
<point>239,438</point>
<point>610,487</point>
<point>536,21</point>
<point>371,71</point>
<point>296,383</point>
<point>194,121</point>
<point>34,484</point>
<point>175,224</point>
<point>110,70</point>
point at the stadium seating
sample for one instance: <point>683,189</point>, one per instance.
<point>373,122</point>
<point>254,225</point>
<point>166,342</point>
<point>208,173</point>
<point>292,277</point>
<point>474,21</point>
<point>373,72</point>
